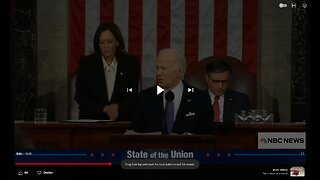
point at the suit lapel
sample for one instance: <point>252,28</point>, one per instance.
<point>227,109</point>
<point>182,108</point>
<point>159,104</point>
<point>119,74</point>
<point>100,78</point>
<point>118,84</point>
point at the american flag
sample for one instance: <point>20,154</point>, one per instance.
<point>199,28</point>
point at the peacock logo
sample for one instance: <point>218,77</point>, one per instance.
<point>262,140</point>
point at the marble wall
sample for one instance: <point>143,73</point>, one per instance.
<point>275,57</point>
<point>300,84</point>
<point>25,58</point>
<point>53,56</point>
<point>40,58</point>
<point>283,59</point>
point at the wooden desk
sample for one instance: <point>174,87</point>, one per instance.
<point>72,135</point>
<point>97,135</point>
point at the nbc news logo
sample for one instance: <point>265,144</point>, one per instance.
<point>281,140</point>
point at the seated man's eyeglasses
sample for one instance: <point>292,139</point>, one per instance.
<point>218,82</point>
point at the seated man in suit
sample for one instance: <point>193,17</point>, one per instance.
<point>226,102</point>
<point>180,108</point>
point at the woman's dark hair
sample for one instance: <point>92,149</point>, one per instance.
<point>218,66</point>
<point>115,30</point>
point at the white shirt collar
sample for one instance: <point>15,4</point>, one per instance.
<point>212,96</point>
<point>113,64</point>
<point>178,89</point>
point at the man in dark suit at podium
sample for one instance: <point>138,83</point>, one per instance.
<point>173,106</point>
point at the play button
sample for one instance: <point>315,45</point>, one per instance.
<point>159,90</point>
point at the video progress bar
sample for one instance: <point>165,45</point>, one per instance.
<point>64,164</point>
<point>60,154</point>
<point>268,154</point>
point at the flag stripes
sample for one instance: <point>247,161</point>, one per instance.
<point>199,28</point>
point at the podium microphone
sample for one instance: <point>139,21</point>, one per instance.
<point>169,96</point>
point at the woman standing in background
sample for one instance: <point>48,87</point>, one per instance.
<point>107,80</point>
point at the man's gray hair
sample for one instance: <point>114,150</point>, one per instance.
<point>180,57</point>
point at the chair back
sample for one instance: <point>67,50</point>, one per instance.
<point>242,80</point>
